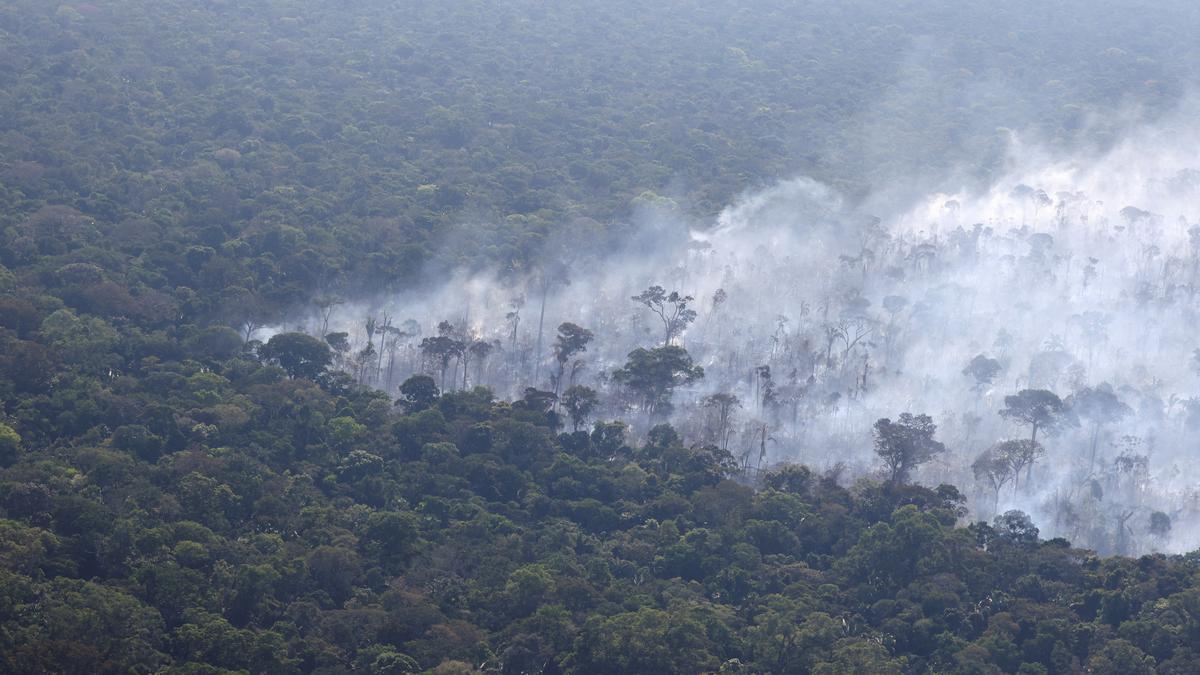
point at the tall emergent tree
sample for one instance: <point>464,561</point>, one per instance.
<point>571,340</point>
<point>994,469</point>
<point>982,370</point>
<point>442,349</point>
<point>549,275</point>
<point>722,408</point>
<point>1040,410</point>
<point>1020,453</point>
<point>1100,407</point>
<point>905,444</point>
<point>672,308</point>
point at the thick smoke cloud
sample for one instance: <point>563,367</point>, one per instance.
<point>1072,273</point>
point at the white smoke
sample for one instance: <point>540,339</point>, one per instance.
<point>1071,271</point>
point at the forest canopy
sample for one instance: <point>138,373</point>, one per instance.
<point>222,450</point>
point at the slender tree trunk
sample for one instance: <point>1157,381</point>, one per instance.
<point>558,382</point>
<point>1095,440</point>
<point>390,368</point>
<point>537,355</point>
<point>1032,455</point>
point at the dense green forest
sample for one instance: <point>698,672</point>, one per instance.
<point>177,497</point>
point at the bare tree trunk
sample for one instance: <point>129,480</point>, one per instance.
<point>537,355</point>
<point>1032,455</point>
<point>390,368</point>
<point>1095,439</point>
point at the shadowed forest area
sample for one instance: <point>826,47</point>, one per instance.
<point>599,337</point>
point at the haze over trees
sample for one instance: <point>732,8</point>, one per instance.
<point>905,444</point>
<point>527,337</point>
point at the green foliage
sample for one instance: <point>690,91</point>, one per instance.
<point>654,374</point>
<point>418,393</point>
<point>579,402</point>
<point>10,444</point>
<point>299,354</point>
<point>905,444</point>
<point>644,641</point>
<point>463,533</point>
<point>178,497</point>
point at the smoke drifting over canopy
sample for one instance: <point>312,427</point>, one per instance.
<point>1073,274</point>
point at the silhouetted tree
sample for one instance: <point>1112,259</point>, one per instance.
<point>1099,406</point>
<point>479,351</point>
<point>671,308</point>
<point>1037,408</point>
<point>905,444</point>
<point>442,349</point>
<point>1020,453</point>
<point>982,370</point>
<point>548,276</point>
<point>722,407</point>
<point>571,340</point>
<point>994,467</point>
<point>579,402</point>
<point>1040,410</point>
